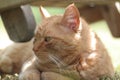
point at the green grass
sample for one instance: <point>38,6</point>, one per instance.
<point>15,77</point>
<point>115,77</point>
<point>9,77</point>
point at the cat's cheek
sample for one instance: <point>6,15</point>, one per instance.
<point>39,52</point>
<point>49,46</point>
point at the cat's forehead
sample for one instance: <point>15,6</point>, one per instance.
<point>51,20</point>
<point>49,24</point>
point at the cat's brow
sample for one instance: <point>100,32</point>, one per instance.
<point>41,31</point>
<point>60,40</point>
<point>38,33</point>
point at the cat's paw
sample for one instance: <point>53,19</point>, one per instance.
<point>30,75</point>
<point>5,64</point>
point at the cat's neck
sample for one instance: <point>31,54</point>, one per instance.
<point>88,40</point>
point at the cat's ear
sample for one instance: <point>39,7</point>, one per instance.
<point>71,18</point>
<point>44,12</point>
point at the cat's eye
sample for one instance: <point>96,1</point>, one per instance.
<point>47,39</point>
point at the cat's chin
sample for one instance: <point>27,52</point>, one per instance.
<point>43,59</point>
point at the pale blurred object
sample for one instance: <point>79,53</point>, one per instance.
<point>117,4</point>
<point>4,39</point>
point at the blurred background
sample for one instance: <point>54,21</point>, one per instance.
<point>99,26</point>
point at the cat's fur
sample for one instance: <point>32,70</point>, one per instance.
<point>65,45</point>
<point>13,57</point>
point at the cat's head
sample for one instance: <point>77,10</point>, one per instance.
<point>58,35</point>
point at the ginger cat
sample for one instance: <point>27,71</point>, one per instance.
<point>63,45</point>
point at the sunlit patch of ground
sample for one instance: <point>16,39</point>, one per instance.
<point>9,77</point>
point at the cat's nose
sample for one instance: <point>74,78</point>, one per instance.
<point>38,45</point>
<point>35,49</point>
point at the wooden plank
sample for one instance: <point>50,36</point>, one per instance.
<point>112,16</point>
<point>91,14</point>
<point>64,3</point>
<point>19,23</point>
<point>6,4</point>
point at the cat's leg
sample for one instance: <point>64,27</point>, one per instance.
<point>6,65</point>
<point>29,72</point>
<point>53,76</point>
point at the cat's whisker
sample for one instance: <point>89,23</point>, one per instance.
<point>61,63</point>
<point>57,61</point>
<point>70,47</point>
